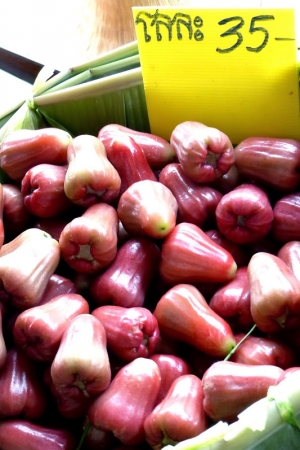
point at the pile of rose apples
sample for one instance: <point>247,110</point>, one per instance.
<point>148,288</point>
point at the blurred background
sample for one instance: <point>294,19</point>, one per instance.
<point>62,33</point>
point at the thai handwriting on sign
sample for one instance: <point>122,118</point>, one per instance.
<point>193,28</point>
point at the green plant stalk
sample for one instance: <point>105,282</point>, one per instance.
<point>111,84</point>
<point>239,343</point>
<point>97,72</point>
<point>84,434</point>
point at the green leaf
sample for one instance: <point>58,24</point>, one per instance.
<point>114,67</point>
<point>14,122</point>
<point>86,116</point>
<point>85,108</point>
<point>52,123</point>
<point>110,84</point>
<point>116,54</point>
<point>286,437</point>
<point>98,72</point>
<point>136,109</point>
<point>44,74</point>
<point>72,81</point>
<point>58,81</point>
<point>6,118</point>
<point>40,88</point>
<point>8,112</point>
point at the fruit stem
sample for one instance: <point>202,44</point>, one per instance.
<point>241,341</point>
<point>84,434</point>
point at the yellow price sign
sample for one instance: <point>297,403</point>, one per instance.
<point>232,69</point>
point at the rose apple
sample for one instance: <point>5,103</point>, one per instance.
<point>43,191</point>
<point>205,153</point>
<point>188,255</point>
<point>171,367</point>
<point>274,293</point>
<point>157,150</point>
<point>126,281</point>
<point>286,217</point>
<point>39,330</point>
<point>88,243</point>
<point>123,407</point>
<point>231,387</point>
<point>183,314</point>
<point>232,300</point>
<point>272,161</point>
<point>290,254</point>
<point>148,208</point>
<point>22,390</point>
<point>244,214</point>
<point>16,218</point>
<point>81,360</point>
<point>264,350</point>
<point>179,416</point>
<point>130,332</point>
<point>24,148</point>
<point>196,203</point>
<point>20,434</point>
<point>26,265</point>
<point>129,160</point>
<point>90,176</point>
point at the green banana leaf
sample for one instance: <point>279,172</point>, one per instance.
<point>81,100</point>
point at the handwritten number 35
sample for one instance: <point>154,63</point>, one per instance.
<point>235,31</point>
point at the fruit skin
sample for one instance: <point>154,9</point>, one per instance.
<point>126,281</point>
<point>129,160</point>
<point>23,149</point>
<point>26,282</point>
<point>205,153</point>
<point>57,285</point>
<point>88,243</point>
<point>271,161</point>
<point>264,350</point>
<point>43,191</point>
<point>130,332</point>
<point>188,255</point>
<point>170,367</point>
<point>53,226</point>
<point>3,345</point>
<point>196,203</point>
<point>183,314</point>
<point>2,230</point>
<point>179,416</point>
<point>157,150</point>
<point>39,330</point>
<point>228,181</point>
<point>22,390</point>
<point>16,217</point>
<point>231,387</point>
<point>244,214</point>
<point>290,254</point>
<point>274,294</point>
<point>240,253</point>
<point>81,360</point>
<point>90,176</point>
<point>148,208</point>
<point>286,218</point>
<point>123,407</point>
<point>232,301</point>
<point>20,434</point>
